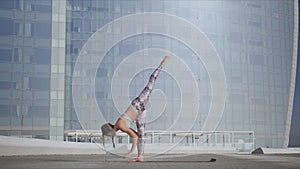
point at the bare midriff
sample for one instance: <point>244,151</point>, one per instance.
<point>131,113</point>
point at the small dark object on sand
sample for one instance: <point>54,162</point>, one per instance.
<point>213,160</point>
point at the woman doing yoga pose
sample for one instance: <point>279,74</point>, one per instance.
<point>137,112</point>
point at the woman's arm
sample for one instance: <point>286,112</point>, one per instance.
<point>120,125</point>
<point>132,134</point>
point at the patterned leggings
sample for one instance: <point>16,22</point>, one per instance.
<point>139,104</point>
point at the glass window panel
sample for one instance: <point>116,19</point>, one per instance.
<point>5,121</point>
<point>19,4</point>
<point>6,27</point>
<point>7,4</point>
<point>43,16</point>
<point>5,85</point>
<point>41,8</point>
<point>27,29</point>
<point>17,67</point>
<point>87,26</point>
<point>41,95</point>
<point>18,29</point>
<point>76,25</point>
<point>87,14</point>
<point>28,42</point>
<point>42,68</point>
<point>41,29</point>
<point>39,83</point>
<point>29,16</point>
<point>5,66</point>
<point>76,44</point>
<point>5,76</point>
<point>5,55</point>
<point>28,96</point>
<point>237,98</point>
<point>41,56</point>
<point>17,55</point>
<point>6,13</point>
<point>5,110</point>
<point>19,41</point>
<point>4,93</point>
<point>16,94</point>
<point>235,37</point>
<point>6,40</point>
<point>256,59</point>
<point>28,51</point>
<point>38,111</point>
<point>42,102</point>
<point>19,15</point>
<point>28,67</point>
<point>43,42</point>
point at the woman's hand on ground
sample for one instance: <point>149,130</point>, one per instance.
<point>127,155</point>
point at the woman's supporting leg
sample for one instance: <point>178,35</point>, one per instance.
<point>140,104</point>
<point>140,124</point>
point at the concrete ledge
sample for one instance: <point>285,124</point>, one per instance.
<point>26,146</point>
<point>263,150</point>
<point>10,146</point>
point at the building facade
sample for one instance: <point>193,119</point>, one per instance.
<point>25,67</point>
<point>42,41</point>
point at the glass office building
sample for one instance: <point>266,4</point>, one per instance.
<point>42,40</point>
<point>25,67</point>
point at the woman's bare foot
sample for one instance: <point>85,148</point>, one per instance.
<point>138,159</point>
<point>165,60</point>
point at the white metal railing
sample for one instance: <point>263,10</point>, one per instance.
<point>241,140</point>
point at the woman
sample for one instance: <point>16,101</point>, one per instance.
<point>137,112</point>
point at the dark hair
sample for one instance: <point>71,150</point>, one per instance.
<point>106,128</point>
